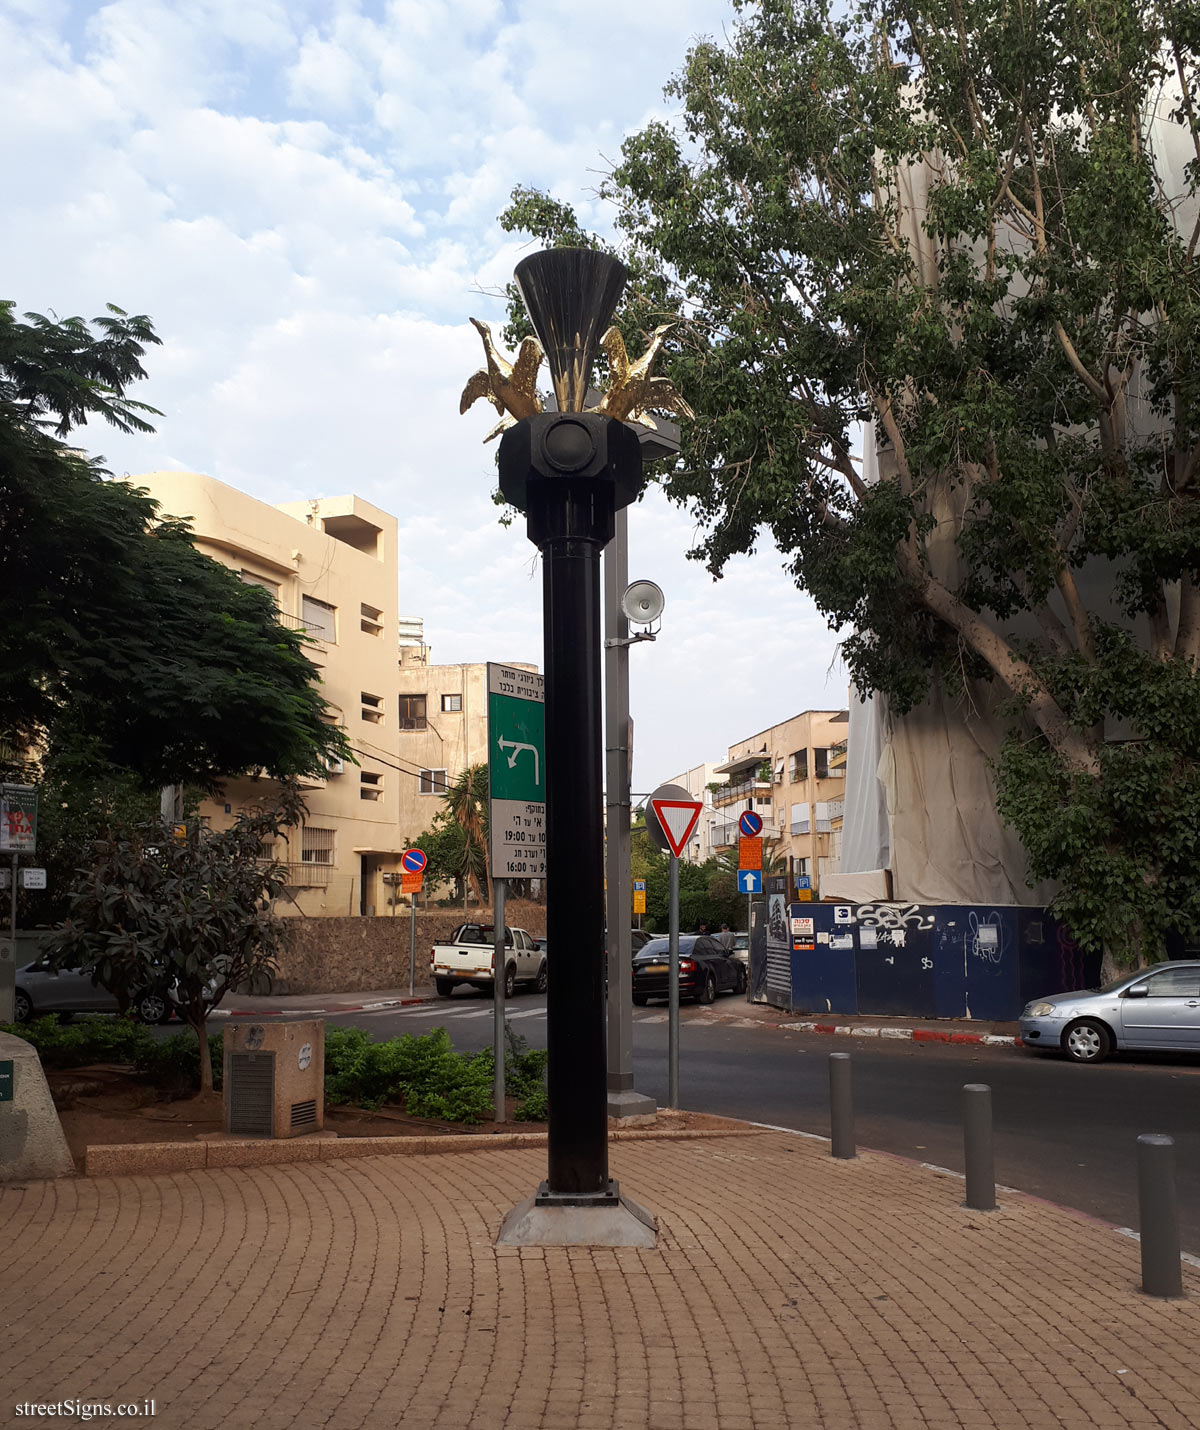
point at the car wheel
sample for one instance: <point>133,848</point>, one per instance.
<point>444,986</point>
<point>22,1007</point>
<point>153,1007</point>
<point>510,981</point>
<point>639,1000</point>
<point>740,986</point>
<point>708,994</point>
<point>1087,1041</point>
<point>543,978</point>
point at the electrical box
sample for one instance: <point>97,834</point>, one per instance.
<point>275,1078</point>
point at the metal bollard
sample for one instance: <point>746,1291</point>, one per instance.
<point>841,1106</point>
<point>1158,1216</point>
<point>977,1145</point>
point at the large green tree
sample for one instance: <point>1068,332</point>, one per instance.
<point>114,629</point>
<point>185,912</point>
<point>974,227</point>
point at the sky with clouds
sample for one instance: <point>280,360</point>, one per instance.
<point>302,194</point>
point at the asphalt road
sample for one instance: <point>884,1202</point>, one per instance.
<point>1064,1132</point>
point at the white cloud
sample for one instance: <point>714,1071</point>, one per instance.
<point>303,193</point>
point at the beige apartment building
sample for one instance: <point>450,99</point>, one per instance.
<point>330,565</point>
<point>442,712</point>
<point>793,775</point>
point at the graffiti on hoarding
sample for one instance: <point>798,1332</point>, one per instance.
<point>893,916</point>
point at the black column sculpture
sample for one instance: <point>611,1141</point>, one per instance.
<point>569,471</point>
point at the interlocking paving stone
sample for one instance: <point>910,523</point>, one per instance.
<point>787,1289</point>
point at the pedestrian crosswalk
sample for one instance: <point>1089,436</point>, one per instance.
<point>449,1013</point>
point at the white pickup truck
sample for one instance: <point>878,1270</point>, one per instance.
<point>468,958</point>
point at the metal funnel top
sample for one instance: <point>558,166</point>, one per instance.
<point>571,295</point>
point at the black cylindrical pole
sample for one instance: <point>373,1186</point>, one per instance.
<point>576,1067</point>
<point>977,1146</point>
<point>841,1106</point>
<point>1158,1216</point>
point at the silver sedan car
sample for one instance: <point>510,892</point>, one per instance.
<point>1157,1009</point>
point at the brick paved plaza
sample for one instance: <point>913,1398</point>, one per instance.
<point>787,1289</point>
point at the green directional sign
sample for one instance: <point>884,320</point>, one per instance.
<point>517,772</point>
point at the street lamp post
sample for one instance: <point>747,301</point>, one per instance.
<point>569,471</point>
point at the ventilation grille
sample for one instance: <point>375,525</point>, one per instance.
<point>252,1093</point>
<point>304,1114</point>
<point>779,970</point>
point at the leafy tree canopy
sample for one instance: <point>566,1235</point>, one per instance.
<point>113,626</point>
<point>973,227</point>
<point>193,912</point>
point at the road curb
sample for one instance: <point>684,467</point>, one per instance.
<point>132,1159</point>
<point>916,1035</point>
<point>376,1007</point>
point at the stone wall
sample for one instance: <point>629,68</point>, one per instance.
<point>353,955</point>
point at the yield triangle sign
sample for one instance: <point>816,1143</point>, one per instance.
<point>678,818</point>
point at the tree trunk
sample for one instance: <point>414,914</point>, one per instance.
<point>206,1072</point>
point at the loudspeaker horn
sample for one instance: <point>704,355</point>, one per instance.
<point>643,603</point>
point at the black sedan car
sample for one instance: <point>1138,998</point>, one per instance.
<point>705,969</point>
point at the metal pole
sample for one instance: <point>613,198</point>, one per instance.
<point>673,989</point>
<point>577,1154</point>
<point>616,783</point>
<point>841,1106</point>
<point>412,945</point>
<point>8,975</point>
<point>1158,1216</point>
<point>977,1144</point>
<point>499,977</point>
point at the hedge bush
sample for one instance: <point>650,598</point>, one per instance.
<point>421,1072</point>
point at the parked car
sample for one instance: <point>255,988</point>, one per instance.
<point>40,989</point>
<point>741,948</point>
<point>468,956</point>
<point>705,969</point>
<point>1155,1009</point>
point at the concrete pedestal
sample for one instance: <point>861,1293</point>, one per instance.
<point>631,1109</point>
<point>610,1221</point>
<point>32,1145</point>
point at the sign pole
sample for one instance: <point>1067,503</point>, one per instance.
<point>499,977</point>
<point>412,945</point>
<point>672,817</point>
<point>673,990</point>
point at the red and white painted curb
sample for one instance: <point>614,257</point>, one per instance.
<point>377,1007</point>
<point>915,1035</point>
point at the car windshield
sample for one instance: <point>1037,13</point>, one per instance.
<point>661,947</point>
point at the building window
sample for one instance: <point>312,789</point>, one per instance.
<point>316,845</point>
<point>371,620</point>
<point>451,702</point>
<point>319,618</point>
<point>798,766</point>
<point>372,707</point>
<point>433,781</point>
<point>800,818</point>
<point>370,784</point>
<point>270,587</point>
<point>821,764</point>
<point>412,712</point>
<point>800,868</point>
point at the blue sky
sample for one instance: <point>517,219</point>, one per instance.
<point>303,196</point>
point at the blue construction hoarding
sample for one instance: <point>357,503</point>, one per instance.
<point>913,960</point>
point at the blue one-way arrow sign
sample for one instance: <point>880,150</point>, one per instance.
<point>749,881</point>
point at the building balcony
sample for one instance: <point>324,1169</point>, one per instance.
<point>744,789</point>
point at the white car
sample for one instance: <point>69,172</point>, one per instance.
<point>1156,1009</point>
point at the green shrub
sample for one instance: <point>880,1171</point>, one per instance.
<point>172,1064</point>
<point>89,1040</point>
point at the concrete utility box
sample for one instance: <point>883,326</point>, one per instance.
<point>275,1078</point>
